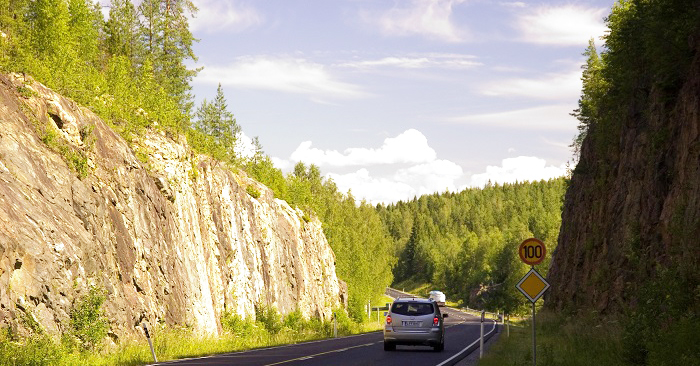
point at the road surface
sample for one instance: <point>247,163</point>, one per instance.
<point>461,331</point>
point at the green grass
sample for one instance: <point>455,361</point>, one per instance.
<point>560,341</point>
<point>271,330</point>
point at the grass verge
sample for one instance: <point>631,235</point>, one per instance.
<point>239,334</point>
<point>561,341</point>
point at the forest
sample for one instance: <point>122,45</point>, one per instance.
<point>465,243</point>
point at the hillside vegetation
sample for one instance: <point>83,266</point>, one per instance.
<point>131,69</point>
<point>465,243</point>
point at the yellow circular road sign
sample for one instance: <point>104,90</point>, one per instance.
<point>532,251</point>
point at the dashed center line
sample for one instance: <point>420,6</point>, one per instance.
<point>322,353</point>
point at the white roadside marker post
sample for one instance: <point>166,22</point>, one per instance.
<point>335,326</point>
<point>508,326</point>
<point>150,343</point>
<point>481,339</point>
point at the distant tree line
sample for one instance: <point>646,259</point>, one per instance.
<point>465,243</point>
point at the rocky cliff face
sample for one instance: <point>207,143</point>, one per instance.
<point>171,237</point>
<point>632,217</point>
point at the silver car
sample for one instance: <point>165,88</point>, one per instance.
<point>413,321</point>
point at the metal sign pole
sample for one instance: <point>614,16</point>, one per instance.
<point>534,343</point>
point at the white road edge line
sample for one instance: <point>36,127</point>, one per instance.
<point>467,347</point>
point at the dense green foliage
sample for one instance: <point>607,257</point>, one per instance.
<point>364,257</point>
<point>647,54</point>
<point>86,331</point>
<point>591,95</point>
<point>466,243</point>
<point>129,69</point>
<point>88,321</point>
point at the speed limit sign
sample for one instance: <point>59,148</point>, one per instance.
<point>532,251</point>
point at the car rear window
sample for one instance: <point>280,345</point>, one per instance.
<point>412,308</point>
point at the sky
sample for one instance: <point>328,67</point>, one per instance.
<point>396,99</point>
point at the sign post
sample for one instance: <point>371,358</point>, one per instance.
<point>533,285</point>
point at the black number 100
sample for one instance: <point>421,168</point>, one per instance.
<point>533,251</point>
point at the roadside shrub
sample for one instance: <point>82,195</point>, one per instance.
<point>345,324</point>
<point>37,349</point>
<point>235,324</point>
<point>88,322</point>
<point>253,192</point>
<point>269,318</point>
<point>295,320</point>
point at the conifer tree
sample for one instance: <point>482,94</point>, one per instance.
<point>215,120</point>
<point>123,32</point>
<point>169,43</point>
<point>593,89</point>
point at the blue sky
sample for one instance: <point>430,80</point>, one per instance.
<point>395,99</point>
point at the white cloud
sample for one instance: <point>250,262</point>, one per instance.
<point>408,147</point>
<point>285,74</point>
<point>520,169</point>
<point>218,16</point>
<point>568,25</point>
<point>447,61</point>
<point>244,146</point>
<point>561,86</point>
<point>403,185</point>
<point>430,18</point>
<point>403,167</point>
<point>435,176</point>
<point>406,166</point>
<point>514,4</point>
<point>372,189</point>
<point>552,117</point>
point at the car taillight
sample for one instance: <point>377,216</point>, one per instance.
<point>436,320</point>
<point>388,319</point>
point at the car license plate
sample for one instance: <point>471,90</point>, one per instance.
<point>407,323</point>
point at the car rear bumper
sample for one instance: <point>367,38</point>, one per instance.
<point>413,337</point>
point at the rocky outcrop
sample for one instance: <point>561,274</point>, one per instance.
<point>171,237</point>
<point>632,217</point>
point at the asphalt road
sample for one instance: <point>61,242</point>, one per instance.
<point>461,331</point>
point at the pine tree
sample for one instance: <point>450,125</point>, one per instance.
<point>123,33</point>
<point>593,89</point>
<point>215,120</point>
<point>168,40</point>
